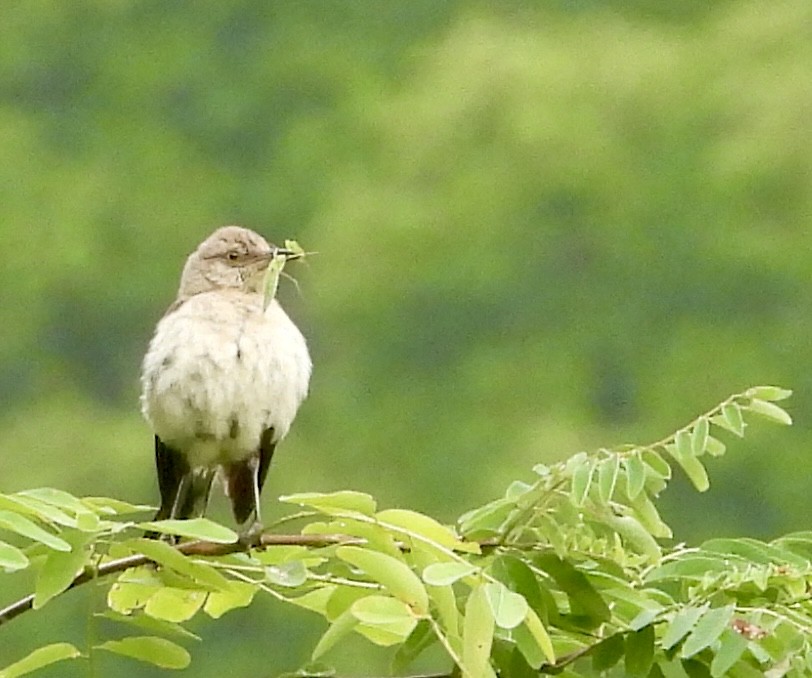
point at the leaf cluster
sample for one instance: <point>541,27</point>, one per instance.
<point>570,574</point>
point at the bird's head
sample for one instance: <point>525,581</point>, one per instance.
<point>231,257</point>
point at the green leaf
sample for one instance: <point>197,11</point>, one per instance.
<point>539,634</point>
<point>194,528</point>
<point>60,569</point>
<point>690,464</point>
<point>40,658</point>
<point>770,411</point>
<point>486,520</point>
<point>674,669</point>
<point>59,498</point>
<point>133,588</point>
<point>442,574</point>
<point>315,600</point>
<point>682,441</point>
<point>768,393</point>
<point>634,535</point>
<point>608,652</point>
<point>581,481</point>
<point>156,651</point>
<point>427,527</point>
<point>444,602</point>
<point>386,614</point>
<point>529,646</point>
<point>392,573</point>
<point>639,651</point>
<point>656,463</point>
<point>509,609</point>
<point>164,554</point>
<point>635,475</point>
<point>110,506</point>
<point>240,594</point>
<point>755,551</point>
<point>27,528</point>
<point>682,623</point>
<point>715,447</point>
<point>375,609</point>
<point>699,436</point>
<point>731,647</point>
<point>645,510</point>
<point>174,605</point>
<point>709,627</point>
<point>341,627</point>
<point>149,624</point>
<point>419,639</point>
<point>289,575</point>
<point>689,566</point>
<point>41,509</point>
<point>517,576</point>
<point>477,634</point>
<point>11,558</point>
<point>607,477</point>
<point>732,416</point>
<point>334,502</point>
<point>645,617</point>
<point>577,587</point>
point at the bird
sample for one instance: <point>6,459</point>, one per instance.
<point>222,379</point>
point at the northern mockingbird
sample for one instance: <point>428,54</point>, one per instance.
<point>222,379</point>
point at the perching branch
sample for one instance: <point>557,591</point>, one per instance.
<point>191,548</point>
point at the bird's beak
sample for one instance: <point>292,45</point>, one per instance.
<point>284,252</point>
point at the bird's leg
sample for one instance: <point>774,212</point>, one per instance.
<point>242,482</point>
<point>181,494</point>
<point>250,536</point>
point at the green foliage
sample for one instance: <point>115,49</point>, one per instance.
<point>570,573</point>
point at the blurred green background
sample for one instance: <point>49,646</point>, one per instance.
<point>542,227</point>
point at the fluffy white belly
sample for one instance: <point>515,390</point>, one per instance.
<point>219,372</point>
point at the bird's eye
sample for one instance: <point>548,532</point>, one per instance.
<point>232,256</point>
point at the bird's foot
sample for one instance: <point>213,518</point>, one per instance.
<point>251,537</point>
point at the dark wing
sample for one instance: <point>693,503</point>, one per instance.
<point>172,469</point>
<point>267,445</point>
<point>246,478</point>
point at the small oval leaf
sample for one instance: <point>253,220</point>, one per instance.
<point>174,605</point>
<point>424,526</point>
<point>11,558</point>
<point>28,528</point>
<point>342,625</point>
<point>635,475</point>
<point>194,528</point>
<point>709,627</point>
<point>731,647</point>
<point>732,415</point>
<point>477,633</point>
<point>581,480</point>
<point>682,624</point>
<point>715,447</point>
<point>639,652</point>
<point>443,574</point>
<point>770,411</point>
<point>60,568</point>
<point>509,609</point>
<point>40,658</point>
<point>332,503</point>
<point>392,573</point>
<point>768,393</point>
<point>607,477</point>
<point>699,436</point>
<point>150,649</point>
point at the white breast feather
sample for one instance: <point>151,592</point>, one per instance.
<point>219,371</point>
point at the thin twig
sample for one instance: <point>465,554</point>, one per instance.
<point>190,548</point>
